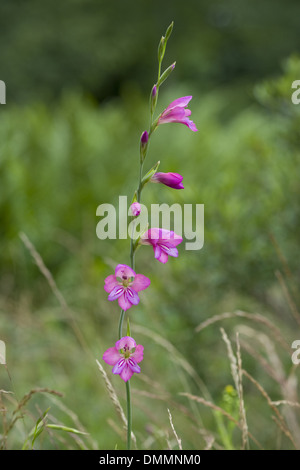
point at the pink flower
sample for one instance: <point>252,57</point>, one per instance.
<point>124,285</point>
<point>135,208</point>
<point>124,357</point>
<point>173,180</point>
<point>176,112</point>
<point>163,241</point>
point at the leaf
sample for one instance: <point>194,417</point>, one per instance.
<point>60,427</point>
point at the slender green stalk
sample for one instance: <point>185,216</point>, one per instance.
<point>121,323</point>
<point>138,192</point>
<point>129,414</point>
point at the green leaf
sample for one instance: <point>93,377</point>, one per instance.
<point>150,173</point>
<point>60,427</point>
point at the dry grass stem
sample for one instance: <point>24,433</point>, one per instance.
<point>256,317</point>
<point>174,431</point>
<point>245,441</point>
<point>113,396</point>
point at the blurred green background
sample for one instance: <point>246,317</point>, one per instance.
<point>78,76</point>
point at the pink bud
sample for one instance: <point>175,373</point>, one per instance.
<point>173,180</point>
<point>144,138</point>
<point>135,208</point>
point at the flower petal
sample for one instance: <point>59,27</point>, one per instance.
<point>150,237</point>
<point>111,356</point>
<point>182,102</point>
<point>110,283</point>
<point>125,342</point>
<point>133,365</point>
<point>176,114</point>
<point>117,369</point>
<point>126,373</point>
<point>138,353</point>
<point>140,282</point>
<point>157,251</point>
<point>123,271</point>
<point>171,251</point>
<point>132,296</point>
<point>116,292</point>
<point>160,254</point>
<point>190,124</point>
<point>124,302</point>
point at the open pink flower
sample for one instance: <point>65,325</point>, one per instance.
<point>124,285</point>
<point>124,357</point>
<point>173,180</point>
<point>177,112</point>
<point>163,241</point>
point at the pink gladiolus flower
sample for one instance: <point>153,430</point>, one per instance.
<point>163,241</point>
<point>124,285</point>
<point>124,357</point>
<point>173,180</point>
<point>135,208</point>
<point>176,112</point>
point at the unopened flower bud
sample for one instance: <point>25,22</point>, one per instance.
<point>153,99</point>
<point>173,180</point>
<point>135,209</point>
<point>166,73</point>
<point>169,31</point>
<point>143,145</point>
<point>161,49</point>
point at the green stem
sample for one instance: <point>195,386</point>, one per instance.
<point>132,265</point>
<point>129,415</point>
<point>121,323</point>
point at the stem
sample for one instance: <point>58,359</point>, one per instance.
<point>121,323</point>
<point>129,414</point>
<point>132,265</point>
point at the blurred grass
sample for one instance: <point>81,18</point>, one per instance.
<point>58,163</point>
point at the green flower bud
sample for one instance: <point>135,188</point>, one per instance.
<point>166,73</point>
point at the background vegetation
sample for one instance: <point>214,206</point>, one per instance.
<point>78,76</point>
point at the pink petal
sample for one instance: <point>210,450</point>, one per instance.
<point>117,369</point>
<point>110,283</point>
<point>173,115</point>
<point>182,102</point>
<point>191,125</point>
<point>150,236</point>
<point>138,353</point>
<point>126,373</point>
<point>140,282</point>
<point>116,292</point>
<point>168,237</point>
<point>124,302</point>
<point>111,356</point>
<point>157,251</point>
<point>133,365</point>
<point>127,342</point>
<point>124,271</point>
<point>132,296</point>
<point>169,250</point>
<point>161,255</point>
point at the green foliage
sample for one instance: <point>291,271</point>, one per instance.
<point>97,45</point>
